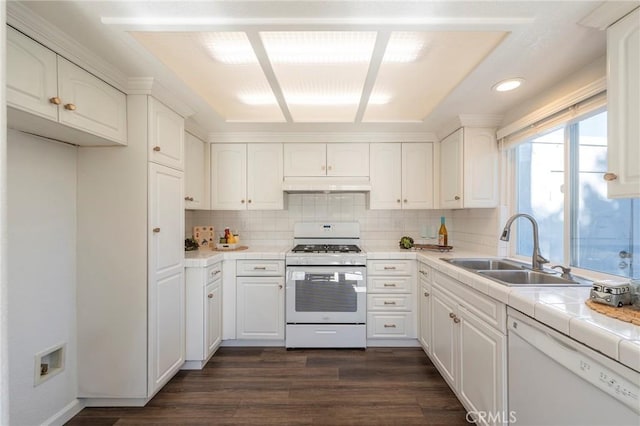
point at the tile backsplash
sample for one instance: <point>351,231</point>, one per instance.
<point>377,227</point>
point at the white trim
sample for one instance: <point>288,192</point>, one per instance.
<point>607,14</point>
<point>329,137</point>
<point>554,107</point>
<point>66,414</point>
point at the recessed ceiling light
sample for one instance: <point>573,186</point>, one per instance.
<point>506,85</point>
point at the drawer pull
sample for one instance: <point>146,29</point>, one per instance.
<point>456,320</point>
<point>156,148</point>
<point>210,295</point>
<point>387,268</point>
<point>389,284</point>
<point>389,326</point>
<point>280,286</point>
<point>426,294</point>
<point>188,198</point>
<point>70,107</point>
<point>389,303</point>
<point>156,230</point>
<point>610,177</point>
<point>259,268</point>
<point>452,315</point>
<point>216,272</point>
<point>55,100</point>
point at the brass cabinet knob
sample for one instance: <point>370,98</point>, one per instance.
<point>323,168</point>
<point>70,107</point>
<point>242,201</point>
<point>280,286</point>
<point>610,176</point>
<point>456,320</point>
<point>426,294</point>
<point>156,230</point>
<point>452,315</point>
<point>398,200</point>
<point>156,148</point>
<point>249,201</point>
<point>405,200</point>
<point>55,100</point>
<point>329,168</point>
<point>188,198</point>
<point>456,198</point>
<point>210,295</point>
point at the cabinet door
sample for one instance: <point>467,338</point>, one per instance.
<point>213,317</point>
<point>90,104</point>
<point>425,315</point>
<point>482,380</point>
<point>348,159</point>
<point>228,176</point>
<point>480,173</point>
<point>166,135</point>
<point>260,308</point>
<point>386,176</point>
<point>451,169</point>
<point>166,275</point>
<point>417,176</point>
<point>195,173</point>
<point>305,159</point>
<point>264,176</point>
<point>623,103</point>
<point>31,76</point>
<point>443,340</point>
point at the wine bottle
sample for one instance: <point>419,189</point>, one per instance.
<point>442,233</point>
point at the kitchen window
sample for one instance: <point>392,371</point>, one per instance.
<point>558,180</point>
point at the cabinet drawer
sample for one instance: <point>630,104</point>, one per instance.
<point>389,284</point>
<point>388,302</point>
<point>255,268</point>
<point>214,272</point>
<point>390,267</point>
<point>383,325</point>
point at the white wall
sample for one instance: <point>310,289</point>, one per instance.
<point>378,227</point>
<point>42,269</point>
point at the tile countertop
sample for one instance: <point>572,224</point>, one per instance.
<point>203,258</point>
<point>561,308</point>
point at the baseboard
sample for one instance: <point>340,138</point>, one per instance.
<point>398,343</point>
<point>247,343</point>
<point>66,414</point>
<point>115,402</point>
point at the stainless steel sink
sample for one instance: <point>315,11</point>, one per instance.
<point>525,278</point>
<point>487,264</point>
<point>512,273</point>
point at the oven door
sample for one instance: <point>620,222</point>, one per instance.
<point>326,295</point>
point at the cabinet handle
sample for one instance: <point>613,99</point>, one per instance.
<point>210,295</point>
<point>156,148</point>
<point>70,107</point>
<point>398,200</point>
<point>426,294</point>
<point>188,198</point>
<point>242,201</point>
<point>322,168</point>
<point>389,303</point>
<point>249,201</point>
<point>609,177</point>
<point>329,168</point>
<point>424,272</point>
<point>456,198</point>
<point>389,326</point>
<point>386,268</point>
<point>405,200</point>
<point>216,272</point>
<point>280,286</point>
<point>389,284</point>
<point>456,320</point>
<point>55,100</point>
<point>156,230</point>
<point>259,268</point>
<point>452,315</point>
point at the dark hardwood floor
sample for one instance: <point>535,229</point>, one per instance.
<point>273,386</point>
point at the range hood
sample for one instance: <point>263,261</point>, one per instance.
<point>326,184</point>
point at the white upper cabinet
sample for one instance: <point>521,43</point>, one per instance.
<point>469,169</point>
<point>47,86</point>
<point>623,99</point>
<point>401,176</point>
<point>246,176</point>
<point>264,176</point>
<point>166,135</point>
<point>196,173</point>
<point>319,159</point>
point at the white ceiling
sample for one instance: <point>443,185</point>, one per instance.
<point>468,47</point>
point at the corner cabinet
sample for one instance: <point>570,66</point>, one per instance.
<point>402,176</point>
<point>469,345</point>
<point>130,274</point>
<point>623,104</point>
<point>49,96</point>
<point>247,176</point>
<point>469,169</point>
<point>196,173</point>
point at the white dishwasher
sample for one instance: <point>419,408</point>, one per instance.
<point>554,380</point>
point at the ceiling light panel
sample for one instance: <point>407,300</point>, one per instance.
<point>321,73</point>
<point>220,67</point>
<point>416,87</point>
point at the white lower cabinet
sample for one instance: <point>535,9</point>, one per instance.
<point>468,345</point>
<point>390,301</point>
<point>260,300</point>
<point>424,306</point>
<point>204,314</point>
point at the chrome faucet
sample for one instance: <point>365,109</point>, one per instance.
<point>536,258</point>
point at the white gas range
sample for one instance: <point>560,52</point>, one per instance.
<point>326,287</point>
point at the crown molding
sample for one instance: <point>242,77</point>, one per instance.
<point>328,137</point>
<point>480,120</point>
<point>20,17</point>
<point>152,87</point>
<point>195,129</point>
<point>607,14</point>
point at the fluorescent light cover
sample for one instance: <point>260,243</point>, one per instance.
<point>404,47</point>
<point>313,99</point>
<point>231,48</point>
<point>506,85</point>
